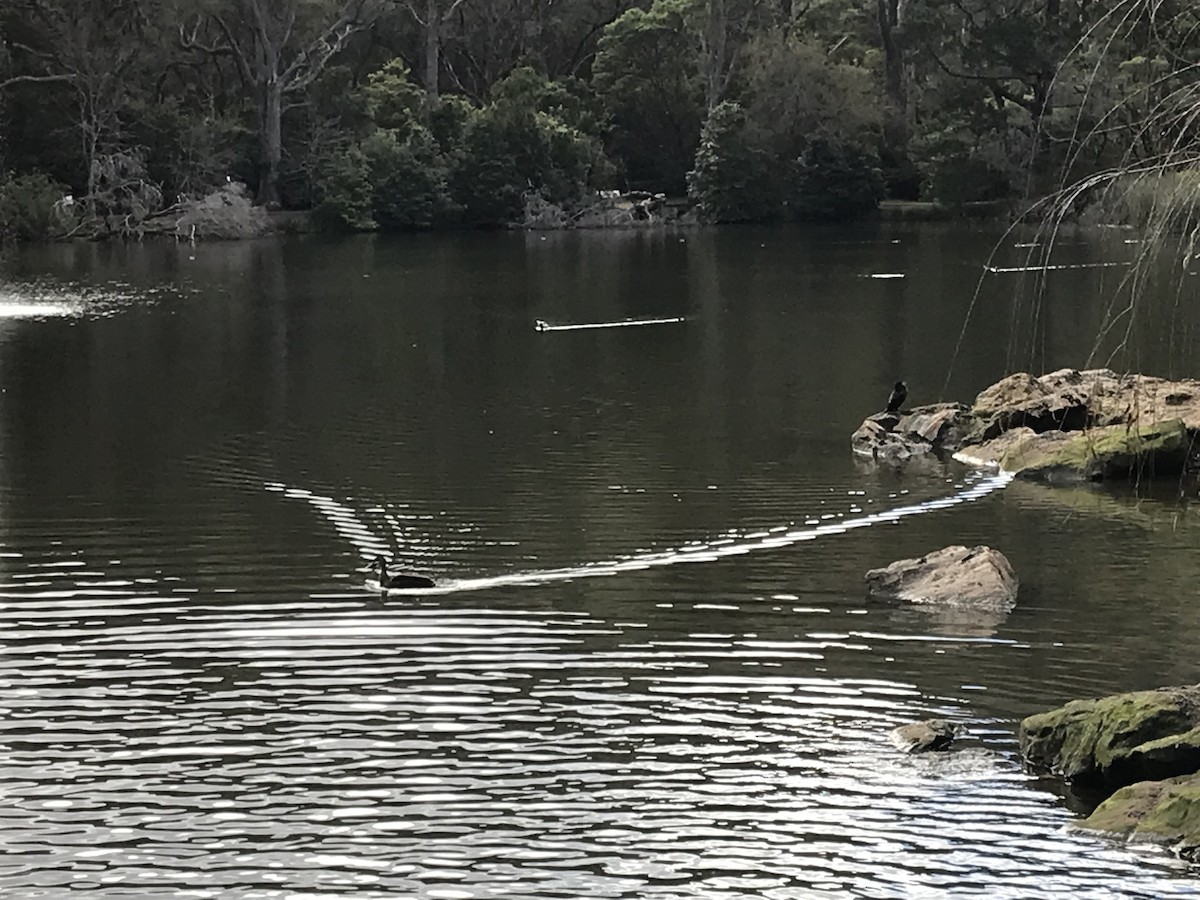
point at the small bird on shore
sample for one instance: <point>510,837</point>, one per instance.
<point>897,397</point>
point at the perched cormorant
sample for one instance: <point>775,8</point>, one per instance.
<point>898,396</point>
<point>397,581</point>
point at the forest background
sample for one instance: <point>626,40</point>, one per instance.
<point>382,114</point>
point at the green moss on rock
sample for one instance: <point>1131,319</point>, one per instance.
<point>1113,741</point>
<point>1103,453</point>
<point>1163,811</point>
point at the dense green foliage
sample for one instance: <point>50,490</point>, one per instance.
<point>28,206</point>
<point>390,115</point>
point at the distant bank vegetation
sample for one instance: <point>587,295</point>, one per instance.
<point>127,117</point>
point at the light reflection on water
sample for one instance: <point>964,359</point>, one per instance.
<point>200,698</point>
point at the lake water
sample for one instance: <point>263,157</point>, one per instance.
<point>650,670</point>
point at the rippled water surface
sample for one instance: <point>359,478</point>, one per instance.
<point>648,669</point>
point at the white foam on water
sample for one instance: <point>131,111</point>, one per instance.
<point>10,309</point>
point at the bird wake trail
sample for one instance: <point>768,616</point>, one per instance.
<point>347,523</point>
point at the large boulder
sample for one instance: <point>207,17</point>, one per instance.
<point>977,577</point>
<point>1115,741</point>
<point>1166,812</point>
<point>1055,402</point>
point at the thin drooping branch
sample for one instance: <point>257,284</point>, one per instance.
<point>35,79</point>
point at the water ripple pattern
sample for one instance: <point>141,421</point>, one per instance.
<point>350,526</point>
<point>152,749</point>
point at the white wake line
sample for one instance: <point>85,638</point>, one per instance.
<point>1004,269</point>
<point>718,548</point>
<point>543,325</point>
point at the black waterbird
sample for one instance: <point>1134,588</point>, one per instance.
<point>403,580</point>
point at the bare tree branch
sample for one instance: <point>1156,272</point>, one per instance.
<point>34,79</point>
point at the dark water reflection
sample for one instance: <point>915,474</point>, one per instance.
<point>652,672</point>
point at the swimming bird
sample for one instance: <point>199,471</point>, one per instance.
<point>397,581</point>
<point>897,397</point>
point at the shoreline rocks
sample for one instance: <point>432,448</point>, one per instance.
<point>923,430</point>
<point>1142,749</point>
<point>1160,812</point>
<point>1110,742</point>
<point>1065,426</point>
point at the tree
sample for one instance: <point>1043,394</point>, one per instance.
<point>280,47</point>
<point>732,180</point>
<point>647,73</point>
<point>890,15</point>
<point>92,48</point>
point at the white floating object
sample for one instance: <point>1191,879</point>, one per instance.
<point>886,275</point>
<point>543,325</point>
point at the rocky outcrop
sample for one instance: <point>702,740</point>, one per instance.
<point>1115,741</point>
<point>1098,454</point>
<point>979,578</point>
<point>1144,745</point>
<point>1067,425</point>
<point>1163,812</point>
<point>900,436</point>
<point>923,737</point>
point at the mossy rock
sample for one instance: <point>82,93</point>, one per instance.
<point>1161,811</point>
<point>1115,451</point>
<point>1117,740</point>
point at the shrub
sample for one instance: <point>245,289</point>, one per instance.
<point>1161,199</point>
<point>408,180</point>
<point>836,182</point>
<point>346,192</point>
<point>487,179</point>
<point>731,180</point>
<point>31,207</point>
<point>386,182</point>
<point>507,152</point>
<point>955,180</point>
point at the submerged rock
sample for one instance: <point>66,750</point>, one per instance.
<point>1118,740</point>
<point>1166,812</point>
<point>978,577</point>
<point>922,737</point>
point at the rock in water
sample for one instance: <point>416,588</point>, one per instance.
<point>979,577</point>
<point>921,737</point>
<point>1114,741</point>
<point>1067,425</point>
<point>899,436</point>
<point>1161,812</point>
